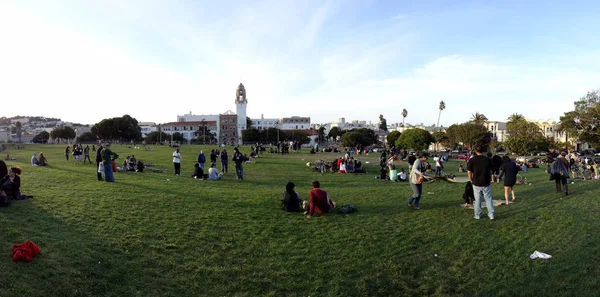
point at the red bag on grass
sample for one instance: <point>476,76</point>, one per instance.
<point>25,251</point>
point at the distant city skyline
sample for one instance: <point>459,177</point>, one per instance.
<point>85,61</point>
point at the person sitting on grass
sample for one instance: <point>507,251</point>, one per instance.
<point>393,173</point>
<point>34,160</point>
<point>290,199</point>
<point>198,172</point>
<point>42,161</point>
<point>319,201</point>
<point>139,166</point>
<point>461,168</point>
<point>10,185</point>
<point>3,169</point>
<point>213,173</point>
<point>402,175</point>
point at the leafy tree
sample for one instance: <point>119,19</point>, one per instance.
<point>68,133</point>
<point>468,135</point>
<point>404,114</point>
<point>252,135</point>
<point>321,134</point>
<point>515,117</point>
<point>334,133</point>
<point>87,137</point>
<point>440,138</point>
<point>382,123</point>
<point>392,137</point>
<point>177,137</point>
<point>124,128</point>
<point>156,136</point>
<point>583,123</point>
<point>354,138</point>
<point>478,118</point>
<point>417,139</point>
<point>524,137</point>
<point>18,128</point>
<point>41,137</point>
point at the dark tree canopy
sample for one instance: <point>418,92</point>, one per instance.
<point>156,136</point>
<point>124,128</point>
<point>382,123</point>
<point>65,132</point>
<point>417,139</point>
<point>41,137</point>
<point>468,135</point>
<point>392,137</point>
<point>363,137</point>
<point>87,137</point>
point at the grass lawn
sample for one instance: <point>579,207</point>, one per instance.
<point>154,234</point>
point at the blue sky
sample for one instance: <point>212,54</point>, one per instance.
<point>84,61</point>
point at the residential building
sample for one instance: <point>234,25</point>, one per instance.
<point>147,128</point>
<point>228,128</point>
<point>189,130</point>
<point>295,123</point>
<point>498,130</point>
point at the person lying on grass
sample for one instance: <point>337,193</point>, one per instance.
<point>319,201</point>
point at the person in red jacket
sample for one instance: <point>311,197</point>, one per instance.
<point>319,200</point>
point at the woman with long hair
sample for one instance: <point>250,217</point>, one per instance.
<point>10,185</point>
<point>509,170</point>
<point>290,199</point>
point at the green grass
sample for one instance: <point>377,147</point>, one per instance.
<point>155,234</point>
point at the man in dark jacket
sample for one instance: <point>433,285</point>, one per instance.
<point>238,158</point>
<point>107,158</point>
<point>224,160</point>
<point>201,159</point>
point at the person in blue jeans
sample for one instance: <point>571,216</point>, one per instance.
<point>479,170</point>
<point>107,158</point>
<point>416,181</point>
<point>201,159</point>
<point>224,161</point>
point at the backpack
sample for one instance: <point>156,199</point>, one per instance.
<point>347,209</point>
<point>4,201</point>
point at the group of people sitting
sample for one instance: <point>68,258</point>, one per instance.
<point>213,173</point>
<point>132,164</point>
<point>41,161</point>
<point>347,164</point>
<point>319,201</point>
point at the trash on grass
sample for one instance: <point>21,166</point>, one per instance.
<point>540,255</point>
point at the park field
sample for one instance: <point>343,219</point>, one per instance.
<point>155,234</point>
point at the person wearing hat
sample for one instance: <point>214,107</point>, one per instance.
<point>560,173</point>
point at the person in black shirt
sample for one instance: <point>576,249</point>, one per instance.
<point>411,160</point>
<point>509,170</point>
<point>479,169</point>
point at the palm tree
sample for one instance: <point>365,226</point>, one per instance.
<point>404,114</point>
<point>442,107</point>
<point>478,118</point>
<point>515,117</point>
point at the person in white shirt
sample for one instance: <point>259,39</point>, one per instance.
<point>402,175</point>
<point>177,162</point>
<point>213,173</point>
<point>438,165</point>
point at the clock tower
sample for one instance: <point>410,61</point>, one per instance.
<point>240,107</point>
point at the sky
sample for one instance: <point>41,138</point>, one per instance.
<point>83,61</point>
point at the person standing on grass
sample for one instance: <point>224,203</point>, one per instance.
<point>560,173</point>
<point>177,162</point>
<point>509,170</point>
<point>319,201</point>
<point>201,159</point>
<point>107,158</point>
<point>86,152</point>
<point>479,170</point>
<point>67,152</point>
<point>238,159</point>
<point>224,161</point>
<point>411,160</point>
<point>98,161</point>
<point>416,181</point>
